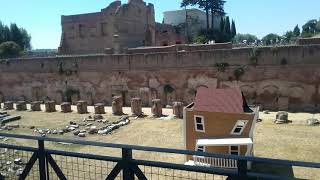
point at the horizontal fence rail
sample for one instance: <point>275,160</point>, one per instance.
<point>44,164</point>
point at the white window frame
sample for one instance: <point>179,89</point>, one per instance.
<point>203,147</point>
<point>202,123</point>
<point>236,125</point>
<point>233,150</point>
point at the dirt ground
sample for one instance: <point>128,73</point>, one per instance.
<point>293,141</point>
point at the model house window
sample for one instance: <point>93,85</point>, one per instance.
<point>199,123</point>
<point>234,150</point>
<point>239,127</point>
<point>200,149</point>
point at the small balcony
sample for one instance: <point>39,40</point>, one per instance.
<point>215,162</point>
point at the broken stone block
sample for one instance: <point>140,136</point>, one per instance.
<point>50,106</point>
<point>178,109</point>
<point>65,107</point>
<point>36,106</point>
<point>97,117</point>
<point>82,107</point>
<point>99,108</point>
<point>21,106</point>
<point>281,117</point>
<point>312,122</point>
<point>156,108</point>
<point>8,105</point>
<point>136,108</point>
<point>117,104</point>
<point>82,135</point>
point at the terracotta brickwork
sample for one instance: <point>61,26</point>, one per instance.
<point>280,72</point>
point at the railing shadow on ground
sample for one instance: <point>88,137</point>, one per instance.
<point>25,162</point>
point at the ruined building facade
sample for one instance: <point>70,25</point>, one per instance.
<point>118,26</point>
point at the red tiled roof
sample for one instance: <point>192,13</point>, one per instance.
<point>218,100</point>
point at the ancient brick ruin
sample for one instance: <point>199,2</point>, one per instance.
<point>281,79</point>
<point>115,27</point>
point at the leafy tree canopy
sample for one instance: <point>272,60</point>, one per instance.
<point>16,34</point>
<point>9,49</point>
<point>271,39</point>
<point>249,38</point>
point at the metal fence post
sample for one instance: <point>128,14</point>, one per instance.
<point>128,173</point>
<point>42,161</point>
<point>242,169</point>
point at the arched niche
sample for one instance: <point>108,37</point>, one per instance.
<point>268,97</point>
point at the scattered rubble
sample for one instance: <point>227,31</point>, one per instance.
<point>312,122</point>
<point>87,127</point>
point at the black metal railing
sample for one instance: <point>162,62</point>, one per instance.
<point>44,164</point>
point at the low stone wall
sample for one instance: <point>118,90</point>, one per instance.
<point>180,47</point>
<point>307,41</point>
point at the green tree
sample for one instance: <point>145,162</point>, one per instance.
<point>16,35</point>
<point>249,38</point>
<point>296,31</point>
<point>222,22</point>
<point>289,36</point>
<point>9,49</point>
<point>233,29</point>
<point>217,9</point>
<point>310,26</point>
<point>227,29</point>
<point>202,4</point>
<point>271,39</point>
<point>26,39</point>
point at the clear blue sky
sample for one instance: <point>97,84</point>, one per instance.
<point>41,18</point>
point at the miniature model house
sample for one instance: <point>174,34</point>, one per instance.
<point>219,121</point>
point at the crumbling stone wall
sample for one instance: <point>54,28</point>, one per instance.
<point>133,23</point>
<point>289,71</point>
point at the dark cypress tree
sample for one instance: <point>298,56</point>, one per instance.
<point>233,29</point>
<point>296,31</point>
<point>222,24</point>
<point>16,35</point>
<point>6,34</point>
<point>227,30</point>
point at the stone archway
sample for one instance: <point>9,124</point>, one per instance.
<point>145,96</point>
<point>2,99</point>
<point>169,94</point>
<point>36,94</point>
<point>249,93</point>
<point>268,97</point>
<point>296,96</point>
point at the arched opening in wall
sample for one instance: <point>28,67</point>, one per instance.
<point>165,43</point>
<point>296,96</point>
<point>36,93</point>
<point>2,99</point>
<point>224,86</point>
<point>59,98</point>
<point>144,95</point>
<point>90,98</point>
<point>170,94</point>
<point>153,94</point>
<point>249,93</point>
<point>269,97</point>
<point>124,95</point>
<point>71,95</point>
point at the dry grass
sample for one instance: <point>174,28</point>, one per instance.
<point>294,141</point>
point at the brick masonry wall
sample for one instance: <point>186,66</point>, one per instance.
<point>290,72</point>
